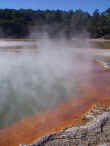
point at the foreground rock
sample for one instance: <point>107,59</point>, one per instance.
<point>104,59</point>
<point>104,64</point>
<point>94,133</point>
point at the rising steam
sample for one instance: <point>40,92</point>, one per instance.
<point>38,78</point>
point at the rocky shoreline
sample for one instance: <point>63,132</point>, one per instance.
<point>104,64</point>
<point>93,130</point>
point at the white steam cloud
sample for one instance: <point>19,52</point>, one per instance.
<point>32,80</point>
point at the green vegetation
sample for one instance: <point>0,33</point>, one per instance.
<point>20,23</point>
<point>99,24</point>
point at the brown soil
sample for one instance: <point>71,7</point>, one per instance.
<point>95,88</point>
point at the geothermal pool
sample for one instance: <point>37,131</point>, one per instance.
<point>55,85</point>
<point>26,87</point>
<point>34,80</point>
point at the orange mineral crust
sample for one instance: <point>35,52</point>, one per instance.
<point>94,88</point>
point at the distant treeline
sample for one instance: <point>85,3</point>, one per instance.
<point>21,23</point>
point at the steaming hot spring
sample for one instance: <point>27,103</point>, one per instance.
<point>45,86</point>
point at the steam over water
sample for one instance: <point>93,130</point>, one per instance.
<point>31,81</point>
<point>36,79</point>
